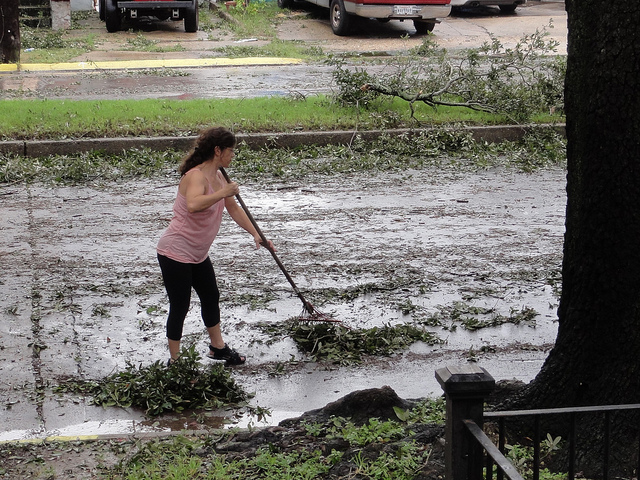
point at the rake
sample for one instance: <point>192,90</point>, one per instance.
<point>309,312</point>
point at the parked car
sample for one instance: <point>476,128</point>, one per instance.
<point>113,11</point>
<point>506,6</point>
<point>424,13</point>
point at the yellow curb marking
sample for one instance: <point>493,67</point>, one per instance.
<point>124,64</point>
<point>54,438</point>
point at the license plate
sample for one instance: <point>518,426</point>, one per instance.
<point>405,10</point>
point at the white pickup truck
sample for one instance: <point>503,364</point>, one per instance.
<point>113,11</point>
<point>424,13</point>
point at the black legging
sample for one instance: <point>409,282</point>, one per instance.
<point>178,279</point>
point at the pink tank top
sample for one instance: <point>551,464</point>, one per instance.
<point>190,235</point>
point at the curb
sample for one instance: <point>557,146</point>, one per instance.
<point>110,436</point>
<point>142,64</point>
<point>41,148</point>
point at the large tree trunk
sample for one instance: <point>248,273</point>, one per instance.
<point>10,33</point>
<point>596,358</point>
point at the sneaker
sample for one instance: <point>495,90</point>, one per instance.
<point>229,355</point>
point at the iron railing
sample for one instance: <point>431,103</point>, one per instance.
<point>495,455</point>
<point>468,450</point>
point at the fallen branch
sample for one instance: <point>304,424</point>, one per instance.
<point>426,98</point>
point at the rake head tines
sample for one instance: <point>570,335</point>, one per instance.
<point>311,314</point>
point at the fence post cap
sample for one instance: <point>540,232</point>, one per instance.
<point>465,379</point>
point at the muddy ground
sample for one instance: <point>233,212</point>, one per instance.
<point>82,293</point>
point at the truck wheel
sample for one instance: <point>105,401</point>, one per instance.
<point>422,27</point>
<point>507,8</point>
<point>285,3</point>
<point>191,18</point>
<point>112,16</point>
<point>340,19</point>
<point>101,9</point>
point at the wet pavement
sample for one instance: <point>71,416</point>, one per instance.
<point>81,292</point>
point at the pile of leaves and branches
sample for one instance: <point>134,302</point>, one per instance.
<point>443,147</point>
<point>160,388</point>
<point>473,318</point>
<point>336,343</point>
<point>518,82</point>
<point>452,147</point>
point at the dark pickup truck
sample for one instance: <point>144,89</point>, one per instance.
<point>113,11</point>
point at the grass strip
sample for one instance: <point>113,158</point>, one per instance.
<point>59,119</point>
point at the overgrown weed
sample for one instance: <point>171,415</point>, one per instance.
<point>522,457</point>
<point>256,18</point>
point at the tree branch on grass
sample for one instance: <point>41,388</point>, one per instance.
<point>516,82</point>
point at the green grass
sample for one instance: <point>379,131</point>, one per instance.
<point>258,18</point>
<point>391,446</point>
<point>275,48</point>
<point>30,118</point>
<point>52,46</point>
<point>22,119</point>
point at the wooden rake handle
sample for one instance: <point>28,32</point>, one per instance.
<point>265,243</point>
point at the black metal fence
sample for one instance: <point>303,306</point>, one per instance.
<point>471,454</point>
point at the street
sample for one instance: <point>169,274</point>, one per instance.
<point>250,77</point>
<point>81,293</point>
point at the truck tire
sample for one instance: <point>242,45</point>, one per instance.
<point>112,16</point>
<point>191,18</point>
<point>507,8</point>
<point>285,3</point>
<point>423,27</point>
<point>339,18</point>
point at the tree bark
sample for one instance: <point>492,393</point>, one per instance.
<point>596,357</point>
<point>10,31</point>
